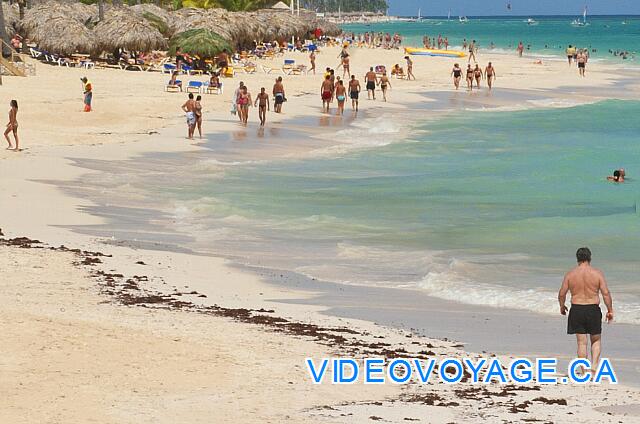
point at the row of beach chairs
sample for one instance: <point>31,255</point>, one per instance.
<point>200,87</point>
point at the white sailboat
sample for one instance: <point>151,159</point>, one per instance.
<point>578,22</point>
<point>449,15</point>
<point>463,19</point>
<point>531,22</point>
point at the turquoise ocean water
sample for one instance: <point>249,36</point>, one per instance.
<point>549,36</point>
<point>486,208</point>
<point>481,207</point>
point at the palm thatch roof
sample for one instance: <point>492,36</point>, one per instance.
<point>144,27</point>
<point>56,29</point>
<point>243,28</point>
<point>201,42</point>
<point>11,18</point>
<point>122,29</point>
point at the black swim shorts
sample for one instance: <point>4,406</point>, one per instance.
<point>581,65</point>
<point>371,85</point>
<point>354,95</point>
<point>584,319</point>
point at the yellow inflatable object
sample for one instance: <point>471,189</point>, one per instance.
<point>433,52</point>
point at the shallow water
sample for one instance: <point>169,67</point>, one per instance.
<point>484,208</point>
<point>550,36</point>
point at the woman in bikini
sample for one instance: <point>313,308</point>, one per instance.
<point>12,126</point>
<point>477,73</point>
<point>469,78</point>
<point>384,83</point>
<point>244,101</point>
<point>198,111</point>
<point>456,72</point>
<point>341,96</point>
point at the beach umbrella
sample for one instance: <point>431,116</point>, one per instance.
<point>57,31</point>
<point>11,18</point>
<point>215,20</point>
<point>200,41</point>
<point>64,35</point>
<point>157,16</point>
<point>130,31</point>
<point>74,10</point>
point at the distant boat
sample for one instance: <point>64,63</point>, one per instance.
<point>578,22</point>
<point>463,19</point>
<point>449,15</point>
<point>419,14</point>
<point>531,22</point>
<point>508,5</point>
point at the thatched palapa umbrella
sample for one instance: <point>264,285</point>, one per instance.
<point>55,29</point>
<point>201,42</point>
<point>11,18</point>
<point>122,29</point>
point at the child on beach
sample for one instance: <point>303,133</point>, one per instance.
<point>262,101</point>
<point>88,93</point>
<point>12,126</point>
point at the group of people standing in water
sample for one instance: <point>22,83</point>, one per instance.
<point>474,74</point>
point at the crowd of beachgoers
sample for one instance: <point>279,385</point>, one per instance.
<point>333,87</point>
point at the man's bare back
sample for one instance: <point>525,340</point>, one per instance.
<point>586,284</point>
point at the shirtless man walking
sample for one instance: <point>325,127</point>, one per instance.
<point>189,108</point>
<point>354,92</point>
<point>585,317</point>
<point>582,62</point>
<point>372,80</point>
<point>490,74</point>
<point>262,101</point>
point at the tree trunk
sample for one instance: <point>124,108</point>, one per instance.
<point>100,10</point>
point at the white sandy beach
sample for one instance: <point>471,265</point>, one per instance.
<point>73,352</point>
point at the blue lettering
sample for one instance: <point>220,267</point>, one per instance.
<point>495,370</point>
<point>424,374</point>
<point>339,371</point>
<point>451,363</point>
<point>475,368</point>
<point>543,370</point>
<point>317,378</point>
<point>392,374</point>
<point>525,375</point>
<point>369,364</point>
<point>605,369</point>
<point>579,362</point>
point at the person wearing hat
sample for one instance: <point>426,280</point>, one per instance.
<point>88,93</point>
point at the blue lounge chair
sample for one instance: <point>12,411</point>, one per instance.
<point>177,86</point>
<point>195,86</point>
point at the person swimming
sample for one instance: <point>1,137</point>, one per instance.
<point>618,176</point>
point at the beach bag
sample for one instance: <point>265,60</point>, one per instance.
<point>234,108</point>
